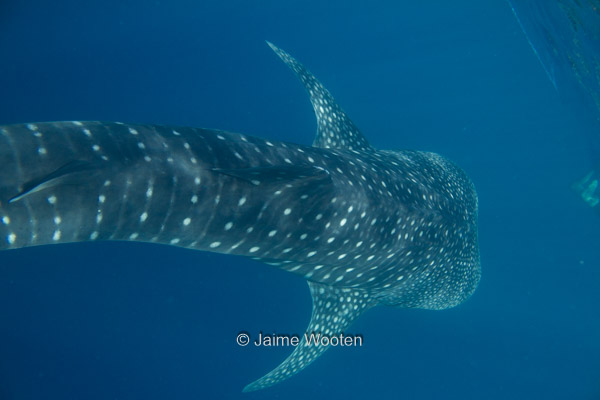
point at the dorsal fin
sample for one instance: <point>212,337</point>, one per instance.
<point>334,129</point>
<point>65,174</point>
<point>334,309</point>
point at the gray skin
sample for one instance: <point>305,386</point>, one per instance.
<point>364,227</point>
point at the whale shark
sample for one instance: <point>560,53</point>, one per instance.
<point>363,226</point>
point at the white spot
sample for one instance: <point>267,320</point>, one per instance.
<point>42,150</point>
<point>176,133</point>
<point>32,127</point>
<point>148,159</point>
<point>133,236</point>
<point>272,233</point>
<point>341,256</point>
<point>56,235</point>
<point>242,201</point>
<point>144,216</point>
<point>343,222</point>
<point>197,180</point>
<point>51,199</point>
<point>57,220</point>
<point>101,198</point>
<point>94,235</point>
<point>287,211</point>
<point>220,137</point>
<point>187,221</point>
<point>215,244</point>
<point>96,147</point>
<point>174,241</point>
<point>194,199</point>
<point>87,133</point>
<point>331,239</point>
<point>11,238</point>
<point>6,220</point>
<point>228,226</point>
<point>312,253</point>
<point>303,236</point>
<point>254,249</point>
<point>149,192</point>
<point>133,131</point>
<point>319,216</point>
<point>77,123</point>
<point>99,218</point>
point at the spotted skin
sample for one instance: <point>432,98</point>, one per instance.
<point>334,128</point>
<point>363,226</point>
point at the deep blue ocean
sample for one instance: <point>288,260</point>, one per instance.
<point>138,321</point>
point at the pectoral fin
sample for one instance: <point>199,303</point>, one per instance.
<point>334,309</point>
<point>335,129</point>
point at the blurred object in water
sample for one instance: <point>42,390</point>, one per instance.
<point>565,37</point>
<point>587,188</point>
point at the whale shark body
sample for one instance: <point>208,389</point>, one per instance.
<point>363,226</point>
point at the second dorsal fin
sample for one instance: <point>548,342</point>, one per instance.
<point>70,173</point>
<point>334,128</point>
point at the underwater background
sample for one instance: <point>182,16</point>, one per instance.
<point>134,321</point>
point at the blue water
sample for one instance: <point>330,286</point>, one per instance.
<point>132,321</point>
